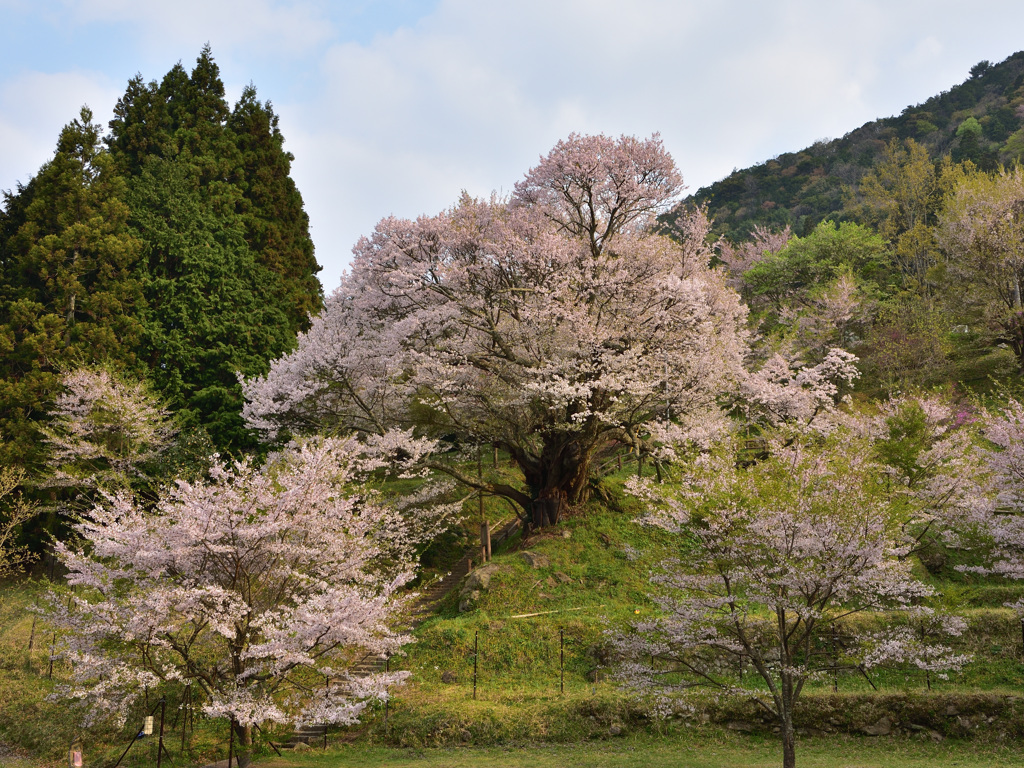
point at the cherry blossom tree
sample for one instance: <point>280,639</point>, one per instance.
<point>104,429</point>
<point>252,586</point>
<point>552,324</point>
<point>998,515</point>
<point>15,511</point>
<point>772,557</point>
<point>981,230</point>
<point>764,242</point>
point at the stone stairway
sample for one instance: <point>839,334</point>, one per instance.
<point>424,606</point>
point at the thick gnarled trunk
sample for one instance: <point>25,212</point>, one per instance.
<point>559,476</point>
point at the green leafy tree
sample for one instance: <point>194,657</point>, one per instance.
<point>209,316</point>
<point>276,225</point>
<point>981,231</point>
<point>819,287</point>
<point>901,195</point>
<point>230,273</point>
<point>72,287</point>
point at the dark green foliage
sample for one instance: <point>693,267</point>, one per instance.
<point>179,252</point>
<point>276,226</point>
<point>230,267</point>
<point>72,284</point>
<point>208,313</point>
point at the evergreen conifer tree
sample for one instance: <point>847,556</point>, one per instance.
<point>72,289</point>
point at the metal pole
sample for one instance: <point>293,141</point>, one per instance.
<point>53,648</point>
<point>160,742</point>
<point>184,719</point>
<point>134,739</point>
<point>476,656</point>
<point>561,660</point>
<point>835,662</point>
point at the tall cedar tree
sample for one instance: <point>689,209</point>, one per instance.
<point>71,287</point>
<point>230,268</point>
<point>181,247</point>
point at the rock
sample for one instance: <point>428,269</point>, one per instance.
<point>467,600</point>
<point>615,730</point>
<point>566,534</point>
<point>951,711</point>
<point>480,578</point>
<point>475,585</point>
<point>563,577</point>
<point>936,736</point>
<point>739,725</point>
<point>534,560</point>
<point>882,728</point>
<point>466,736</point>
<point>449,677</point>
<point>300,746</point>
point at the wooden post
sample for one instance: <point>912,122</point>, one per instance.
<point>231,739</point>
<point>485,532</point>
<point>835,662</point>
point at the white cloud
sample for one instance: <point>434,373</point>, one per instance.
<point>289,28</point>
<point>398,114</point>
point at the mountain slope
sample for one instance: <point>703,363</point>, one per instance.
<point>981,119</point>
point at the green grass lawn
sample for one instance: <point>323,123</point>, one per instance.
<point>703,750</point>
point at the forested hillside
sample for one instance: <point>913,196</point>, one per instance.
<point>981,120</point>
<point>174,248</point>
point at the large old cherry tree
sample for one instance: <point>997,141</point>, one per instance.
<point>553,324</point>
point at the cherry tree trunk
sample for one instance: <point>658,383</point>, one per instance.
<point>243,744</point>
<point>788,747</point>
<point>562,473</point>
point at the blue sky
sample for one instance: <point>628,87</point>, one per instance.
<point>395,106</point>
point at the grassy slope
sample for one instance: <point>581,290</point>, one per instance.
<point>596,580</point>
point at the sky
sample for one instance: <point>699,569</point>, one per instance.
<point>394,107</point>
